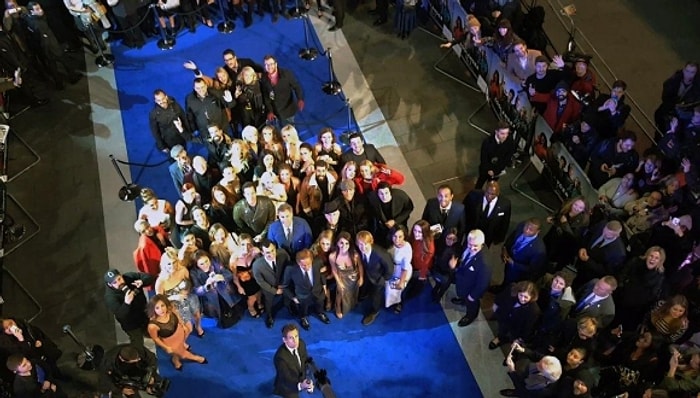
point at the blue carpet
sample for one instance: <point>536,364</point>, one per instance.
<point>414,354</point>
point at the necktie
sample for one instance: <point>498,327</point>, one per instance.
<point>444,214</point>
<point>274,266</point>
<point>288,233</point>
<point>519,244</point>
<point>585,303</point>
<point>486,209</point>
<point>296,355</point>
<point>598,243</point>
<point>366,258</point>
<point>311,279</point>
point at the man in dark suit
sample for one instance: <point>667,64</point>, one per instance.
<point>443,214</point>
<point>524,254</point>
<point>181,170</point>
<point>489,212</point>
<point>472,276</point>
<point>378,268</point>
<point>268,271</point>
<point>306,287</point>
<point>596,300</point>
<point>280,89</point>
<point>32,380</point>
<point>354,209</point>
<point>289,232</point>
<point>290,362</point>
<point>496,154</point>
<point>604,253</point>
<point>359,151</point>
<point>391,207</point>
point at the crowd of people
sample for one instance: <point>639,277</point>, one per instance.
<point>604,302</point>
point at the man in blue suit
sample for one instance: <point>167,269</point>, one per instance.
<point>306,287</point>
<point>181,171</point>
<point>378,268</point>
<point>289,232</point>
<point>443,214</point>
<point>472,276</point>
<point>524,254</point>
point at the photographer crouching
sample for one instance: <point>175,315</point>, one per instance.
<point>126,299</point>
<point>127,370</point>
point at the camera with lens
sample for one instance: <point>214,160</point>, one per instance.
<point>151,382</point>
<point>126,289</point>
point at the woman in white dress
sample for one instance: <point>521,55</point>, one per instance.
<point>402,253</point>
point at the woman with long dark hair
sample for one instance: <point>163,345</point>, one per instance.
<point>568,225</point>
<point>348,273</point>
<point>169,331</point>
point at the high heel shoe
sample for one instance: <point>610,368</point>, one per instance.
<point>495,343</point>
<point>204,362</point>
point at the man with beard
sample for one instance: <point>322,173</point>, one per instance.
<point>168,122</point>
<point>315,191</point>
<point>217,147</point>
<point>282,92</point>
<point>392,207</point>
<point>540,84</point>
<point>206,106</point>
<point>613,157</point>
<point>443,214</point>
<point>521,62</point>
<point>561,109</point>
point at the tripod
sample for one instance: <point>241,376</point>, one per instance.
<point>226,26</point>
<point>308,53</point>
<point>102,59</point>
<point>332,86</point>
<point>129,191</point>
<point>166,42</point>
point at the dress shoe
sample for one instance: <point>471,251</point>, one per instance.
<point>465,321</point>
<point>305,323</point>
<point>398,308</point>
<point>458,301</point>
<point>379,21</point>
<point>334,28</point>
<point>269,322</point>
<point>508,392</point>
<point>324,318</point>
<point>495,343</point>
<point>369,318</point>
<point>200,335</point>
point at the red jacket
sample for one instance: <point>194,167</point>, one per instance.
<point>393,178</point>
<point>422,260</point>
<point>571,113</point>
<point>147,254</point>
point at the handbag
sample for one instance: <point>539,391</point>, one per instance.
<point>230,315</point>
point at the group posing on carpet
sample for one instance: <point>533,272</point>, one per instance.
<point>267,222</point>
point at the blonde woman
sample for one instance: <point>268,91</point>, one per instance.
<point>290,138</point>
<point>269,186</point>
<point>241,162</point>
<point>174,282</point>
<point>249,99</point>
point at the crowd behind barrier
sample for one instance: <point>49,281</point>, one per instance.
<point>274,227</point>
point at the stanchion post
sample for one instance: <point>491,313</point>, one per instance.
<point>225,26</point>
<point>332,86</point>
<point>102,59</point>
<point>297,11</point>
<point>307,53</point>
<point>165,42</point>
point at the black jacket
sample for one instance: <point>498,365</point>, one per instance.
<point>281,99</point>
<point>130,316</point>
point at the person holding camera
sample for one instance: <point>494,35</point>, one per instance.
<point>127,369</point>
<point>290,362</point>
<point>125,298</point>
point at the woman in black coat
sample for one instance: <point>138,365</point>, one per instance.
<point>516,312</point>
<point>640,285</point>
<point>568,225</point>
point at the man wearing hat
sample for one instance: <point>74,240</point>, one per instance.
<point>540,84</point>
<point>125,298</point>
<point>353,208</point>
<point>561,110</point>
<point>181,171</point>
